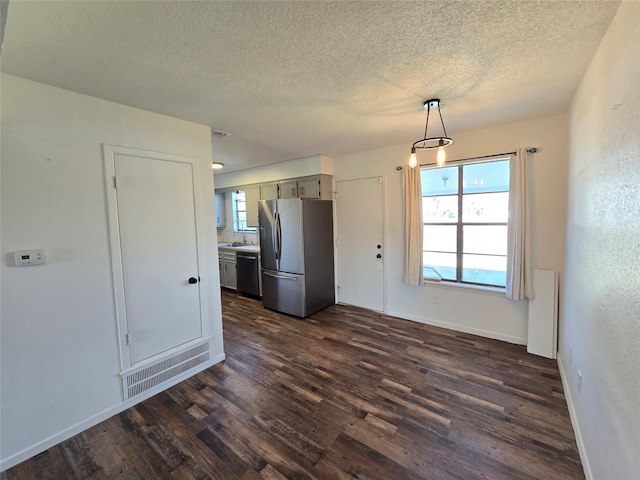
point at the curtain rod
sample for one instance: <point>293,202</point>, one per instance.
<point>529,150</point>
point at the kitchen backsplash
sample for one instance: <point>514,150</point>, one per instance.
<point>227,235</point>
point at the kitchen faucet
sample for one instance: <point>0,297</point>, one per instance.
<point>241,229</point>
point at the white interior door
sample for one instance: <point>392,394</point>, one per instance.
<point>157,240</point>
<point>360,248</point>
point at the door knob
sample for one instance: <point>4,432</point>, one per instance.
<point>379,246</point>
<point>193,280</point>
<point>378,256</point>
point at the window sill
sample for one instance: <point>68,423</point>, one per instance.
<point>481,289</point>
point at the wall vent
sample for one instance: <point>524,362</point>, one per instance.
<point>149,376</point>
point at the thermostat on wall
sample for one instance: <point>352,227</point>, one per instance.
<point>25,258</point>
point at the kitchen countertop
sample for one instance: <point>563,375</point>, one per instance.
<point>240,248</point>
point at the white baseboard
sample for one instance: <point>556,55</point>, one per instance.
<point>79,427</point>
<point>460,328</point>
<point>574,422</point>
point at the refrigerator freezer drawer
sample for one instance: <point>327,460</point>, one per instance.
<point>284,292</point>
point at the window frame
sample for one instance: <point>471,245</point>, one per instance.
<point>237,223</point>
<point>460,223</point>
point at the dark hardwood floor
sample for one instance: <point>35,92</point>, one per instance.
<point>344,394</point>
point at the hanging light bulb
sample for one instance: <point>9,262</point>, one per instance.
<point>441,156</point>
<point>413,161</point>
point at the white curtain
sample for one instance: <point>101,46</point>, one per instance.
<point>412,192</point>
<point>519,282</point>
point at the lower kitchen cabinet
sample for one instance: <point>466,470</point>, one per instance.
<point>227,266</point>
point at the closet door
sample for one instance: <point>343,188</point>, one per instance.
<point>156,228</point>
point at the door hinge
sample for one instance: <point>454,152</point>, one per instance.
<point>115,182</point>
<point>335,195</point>
<point>128,339</point>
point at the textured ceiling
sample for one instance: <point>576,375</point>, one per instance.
<point>293,79</point>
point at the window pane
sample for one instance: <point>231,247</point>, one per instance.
<point>440,209</point>
<point>242,217</point>
<point>487,269</point>
<point>439,181</point>
<point>484,239</point>
<point>438,265</point>
<point>486,177</point>
<point>242,206</point>
<point>485,207</point>
<point>440,238</point>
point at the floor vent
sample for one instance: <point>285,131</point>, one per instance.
<point>149,376</point>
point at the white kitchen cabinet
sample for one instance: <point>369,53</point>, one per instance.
<point>317,186</point>
<point>227,266</point>
<point>269,191</point>
<point>309,188</point>
<point>288,189</point>
<point>220,213</point>
<point>252,198</point>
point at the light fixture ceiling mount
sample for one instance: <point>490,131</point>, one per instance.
<point>431,143</point>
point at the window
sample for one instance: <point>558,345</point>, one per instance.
<point>465,211</point>
<point>240,212</point>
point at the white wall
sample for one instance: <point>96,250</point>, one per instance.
<point>59,350</point>
<point>601,306</point>
<point>484,313</point>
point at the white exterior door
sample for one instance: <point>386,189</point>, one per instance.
<point>360,248</point>
<point>156,229</point>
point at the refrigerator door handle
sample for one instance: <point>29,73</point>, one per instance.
<point>283,277</point>
<point>274,235</point>
<point>279,236</point>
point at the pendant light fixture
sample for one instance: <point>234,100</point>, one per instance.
<point>431,143</point>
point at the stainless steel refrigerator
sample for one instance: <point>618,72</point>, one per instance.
<point>296,248</point>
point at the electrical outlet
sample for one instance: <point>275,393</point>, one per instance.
<point>579,381</point>
<point>570,354</point>
<point>436,299</point>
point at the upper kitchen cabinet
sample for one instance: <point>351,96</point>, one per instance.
<point>268,191</point>
<point>220,215</point>
<point>252,198</point>
<point>317,186</point>
<point>288,189</point>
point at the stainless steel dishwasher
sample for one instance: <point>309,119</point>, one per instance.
<point>248,272</point>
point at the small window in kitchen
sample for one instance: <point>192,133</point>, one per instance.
<point>240,212</point>
<point>465,214</point>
